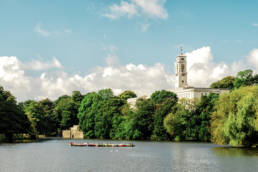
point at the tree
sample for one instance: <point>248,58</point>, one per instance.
<point>190,119</point>
<point>254,80</point>
<point>127,95</point>
<point>175,122</point>
<point>203,112</point>
<point>235,120</point>
<point>105,93</point>
<point>77,97</point>
<point>226,82</point>
<point>42,117</point>
<point>107,117</point>
<point>12,118</point>
<point>142,119</point>
<point>89,105</point>
<point>123,126</point>
<point>49,117</point>
<point>35,113</point>
<point>100,114</point>
<point>243,78</point>
<point>165,101</point>
<point>160,96</point>
<point>66,112</point>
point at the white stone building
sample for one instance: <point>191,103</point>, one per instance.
<point>72,133</point>
<point>181,87</point>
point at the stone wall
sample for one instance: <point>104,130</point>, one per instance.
<point>72,133</point>
<point>66,134</point>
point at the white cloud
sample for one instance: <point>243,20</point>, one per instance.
<point>149,8</point>
<point>12,77</point>
<point>38,28</point>
<point>40,65</point>
<point>153,8</point>
<point>67,31</point>
<point>253,59</point>
<point>46,33</point>
<point>112,58</point>
<point>141,78</point>
<point>124,9</point>
<point>255,24</point>
<point>145,27</point>
<point>202,70</point>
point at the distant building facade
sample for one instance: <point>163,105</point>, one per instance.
<point>72,133</point>
<point>181,86</point>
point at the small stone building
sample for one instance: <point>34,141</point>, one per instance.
<point>72,133</point>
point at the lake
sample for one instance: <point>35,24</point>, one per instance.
<point>59,156</point>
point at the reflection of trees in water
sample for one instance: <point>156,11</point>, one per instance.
<point>230,151</point>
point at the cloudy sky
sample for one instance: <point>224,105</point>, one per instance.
<point>50,48</point>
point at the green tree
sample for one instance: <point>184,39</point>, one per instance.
<point>203,112</point>
<point>105,93</point>
<point>35,113</point>
<point>12,118</point>
<point>161,96</point>
<point>190,119</point>
<point>254,79</point>
<point>88,108</point>
<point>66,112</point>
<point>165,101</point>
<point>235,120</point>
<point>123,126</point>
<point>175,122</point>
<point>226,82</point>
<point>100,114</point>
<point>127,95</point>
<point>77,97</point>
<point>243,78</point>
<point>142,119</point>
<point>49,117</point>
<point>42,117</point>
<point>107,117</point>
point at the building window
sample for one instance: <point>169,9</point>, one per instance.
<point>182,67</point>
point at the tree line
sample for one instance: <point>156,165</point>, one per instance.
<point>230,118</point>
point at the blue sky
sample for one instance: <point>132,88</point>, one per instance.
<point>82,34</point>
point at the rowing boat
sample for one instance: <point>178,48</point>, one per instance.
<point>101,145</point>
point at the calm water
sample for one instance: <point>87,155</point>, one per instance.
<point>58,156</point>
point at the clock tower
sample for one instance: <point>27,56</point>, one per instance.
<point>181,70</point>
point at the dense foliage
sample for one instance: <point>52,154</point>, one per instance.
<point>190,120</point>
<point>49,118</point>
<point>98,114</point>
<point>164,102</point>
<point>243,78</point>
<point>235,120</point>
<point>12,118</point>
<point>227,82</point>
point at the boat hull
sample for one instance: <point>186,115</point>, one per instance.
<point>100,145</point>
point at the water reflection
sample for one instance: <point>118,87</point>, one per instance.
<point>59,156</point>
<point>233,152</point>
